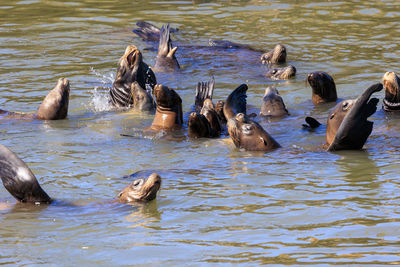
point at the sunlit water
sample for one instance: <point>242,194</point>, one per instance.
<point>296,205</point>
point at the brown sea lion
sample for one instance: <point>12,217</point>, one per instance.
<point>142,100</point>
<point>22,184</point>
<point>276,55</point>
<point>219,108</point>
<point>323,87</point>
<point>169,109</point>
<point>348,126</point>
<point>391,82</point>
<point>284,73</point>
<point>131,68</point>
<point>236,102</point>
<point>249,135</point>
<point>204,122</point>
<point>53,107</point>
<point>272,104</point>
<point>166,60</point>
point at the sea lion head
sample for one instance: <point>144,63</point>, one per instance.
<point>129,63</point>
<point>348,126</point>
<point>166,60</point>
<point>284,73</point>
<point>55,104</point>
<point>141,190</point>
<point>272,104</point>
<point>249,135</point>
<point>336,117</point>
<point>323,87</point>
<point>142,100</point>
<point>219,108</point>
<point>391,82</point>
<point>276,55</point>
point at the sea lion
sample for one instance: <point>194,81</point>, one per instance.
<point>149,32</point>
<point>391,82</point>
<point>204,122</point>
<point>169,109</point>
<point>53,107</point>
<point>348,126</point>
<point>166,60</point>
<point>142,100</point>
<point>276,55</point>
<point>219,108</point>
<point>250,135</point>
<point>131,68</point>
<point>284,73</point>
<point>323,87</point>
<point>22,184</point>
<point>236,102</point>
<point>272,104</point>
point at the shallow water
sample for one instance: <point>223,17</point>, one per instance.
<point>219,205</point>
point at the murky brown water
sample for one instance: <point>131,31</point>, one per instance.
<point>296,205</point>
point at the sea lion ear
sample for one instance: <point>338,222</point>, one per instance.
<point>171,53</point>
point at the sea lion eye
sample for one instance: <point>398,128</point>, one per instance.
<point>274,71</point>
<point>345,105</point>
<point>137,182</point>
<point>332,116</point>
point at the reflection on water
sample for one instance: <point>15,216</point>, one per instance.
<point>296,205</point>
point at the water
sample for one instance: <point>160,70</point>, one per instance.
<point>218,205</point>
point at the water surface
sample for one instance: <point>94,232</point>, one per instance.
<point>296,205</point>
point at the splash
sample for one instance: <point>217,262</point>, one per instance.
<point>100,99</point>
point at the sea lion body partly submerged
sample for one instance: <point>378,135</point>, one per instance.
<point>323,87</point>
<point>284,73</point>
<point>131,68</point>
<point>53,107</point>
<point>272,104</point>
<point>22,184</point>
<point>391,83</point>
<point>348,126</point>
<point>166,60</point>
<point>249,135</point>
<point>169,109</point>
<point>204,121</point>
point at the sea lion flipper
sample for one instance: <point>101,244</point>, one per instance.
<point>164,45</point>
<point>204,90</point>
<point>236,102</point>
<point>18,179</point>
<point>355,129</point>
<point>311,123</point>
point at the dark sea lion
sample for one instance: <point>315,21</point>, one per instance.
<point>142,100</point>
<point>272,104</point>
<point>249,135</point>
<point>149,32</point>
<point>22,184</point>
<point>204,121</point>
<point>53,107</point>
<point>323,87</point>
<point>131,68</point>
<point>166,60</point>
<point>276,55</point>
<point>284,73</point>
<point>169,109</point>
<point>236,102</point>
<point>348,126</point>
<point>391,82</point>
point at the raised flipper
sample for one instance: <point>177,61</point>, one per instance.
<point>19,180</point>
<point>204,90</point>
<point>311,123</point>
<point>166,60</point>
<point>355,128</point>
<point>236,102</point>
<point>148,31</point>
